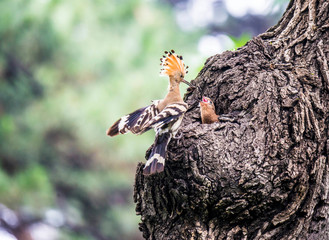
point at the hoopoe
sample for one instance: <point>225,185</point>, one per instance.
<point>164,116</point>
<point>208,114</point>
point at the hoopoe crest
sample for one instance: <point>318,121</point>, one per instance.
<point>172,63</point>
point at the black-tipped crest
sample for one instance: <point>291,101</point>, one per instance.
<point>172,63</point>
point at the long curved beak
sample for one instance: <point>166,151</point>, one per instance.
<point>186,82</point>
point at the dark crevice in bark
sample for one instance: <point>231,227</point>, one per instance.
<point>262,171</point>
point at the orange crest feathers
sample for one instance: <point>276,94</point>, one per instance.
<point>172,63</point>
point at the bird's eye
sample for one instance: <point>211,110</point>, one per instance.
<point>181,76</point>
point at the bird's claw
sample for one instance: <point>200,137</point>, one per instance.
<point>177,137</point>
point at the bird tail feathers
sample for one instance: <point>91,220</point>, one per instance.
<point>156,161</point>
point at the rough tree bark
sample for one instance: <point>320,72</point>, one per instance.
<point>262,171</point>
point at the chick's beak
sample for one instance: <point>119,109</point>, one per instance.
<point>204,99</point>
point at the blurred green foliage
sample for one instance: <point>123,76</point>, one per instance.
<point>68,70</point>
<point>241,40</point>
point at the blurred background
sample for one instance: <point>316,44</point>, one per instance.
<point>68,70</point>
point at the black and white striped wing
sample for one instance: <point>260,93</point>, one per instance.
<point>167,116</point>
<point>135,122</point>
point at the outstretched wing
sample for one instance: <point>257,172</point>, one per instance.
<point>134,122</point>
<point>168,115</point>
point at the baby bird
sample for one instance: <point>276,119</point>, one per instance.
<point>164,116</point>
<point>207,108</point>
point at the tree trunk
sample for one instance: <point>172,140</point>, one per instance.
<point>262,171</point>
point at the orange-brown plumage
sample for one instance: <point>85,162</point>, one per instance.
<point>172,64</point>
<point>174,68</point>
<point>208,111</point>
